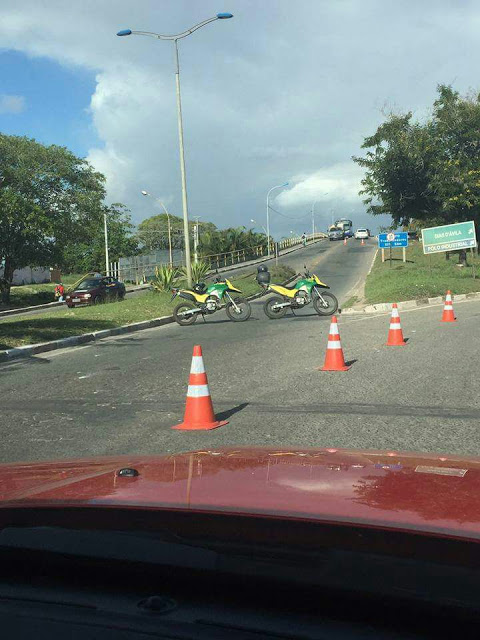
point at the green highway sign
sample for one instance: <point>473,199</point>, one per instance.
<point>450,237</point>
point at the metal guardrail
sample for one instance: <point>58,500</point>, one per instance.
<point>143,271</point>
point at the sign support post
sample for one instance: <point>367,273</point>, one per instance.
<point>393,239</point>
<point>404,251</point>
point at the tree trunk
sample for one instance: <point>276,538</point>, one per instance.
<point>447,255</point>
<point>462,258</point>
<point>6,280</point>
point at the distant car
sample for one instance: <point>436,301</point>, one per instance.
<point>96,291</point>
<point>412,235</point>
<point>361,234</point>
<point>335,234</point>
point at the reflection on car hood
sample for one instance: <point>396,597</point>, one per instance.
<point>428,493</point>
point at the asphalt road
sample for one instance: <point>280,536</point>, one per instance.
<point>122,395</point>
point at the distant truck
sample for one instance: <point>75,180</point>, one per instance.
<point>345,225</point>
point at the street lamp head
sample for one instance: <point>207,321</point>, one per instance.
<point>224,16</point>
<point>125,32</point>
<point>285,184</point>
<point>145,193</point>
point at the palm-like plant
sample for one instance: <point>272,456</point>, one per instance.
<point>164,277</point>
<point>199,270</point>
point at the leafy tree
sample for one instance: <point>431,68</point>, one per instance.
<point>87,252</point>
<point>232,239</point>
<point>153,232</point>
<point>399,170</point>
<point>46,195</point>
<point>429,171</point>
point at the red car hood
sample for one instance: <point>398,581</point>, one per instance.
<point>408,491</point>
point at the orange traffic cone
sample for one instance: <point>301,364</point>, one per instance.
<point>334,360</point>
<point>448,315</point>
<point>199,414</point>
<point>363,241</point>
<point>395,333</point>
<point>344,241</point>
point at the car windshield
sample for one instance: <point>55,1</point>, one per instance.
<point>149,146</point>
<point>89,284</point>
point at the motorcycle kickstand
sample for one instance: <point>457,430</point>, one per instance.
<point>291,309</point>
<point>203,318</point>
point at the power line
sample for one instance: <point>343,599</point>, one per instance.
<point>290,217</point>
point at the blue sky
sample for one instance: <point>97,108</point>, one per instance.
<point>286,91</point>
<point>56,101</point>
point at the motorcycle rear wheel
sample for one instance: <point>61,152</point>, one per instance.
<point>242,314</point>
<point>332,304</point>
<point>274,314</point>
<point>184,321</point>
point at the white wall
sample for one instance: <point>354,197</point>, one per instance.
<point>30,275</point>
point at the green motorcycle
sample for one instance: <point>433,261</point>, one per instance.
<point>308,289</point>
<point>204,300</point>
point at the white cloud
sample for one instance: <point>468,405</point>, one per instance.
<point>339,182</point>
<point>11,104</point>
<point>266,96</point>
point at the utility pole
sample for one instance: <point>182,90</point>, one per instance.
<point>107,265</point>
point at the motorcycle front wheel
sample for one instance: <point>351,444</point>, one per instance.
<point>328,306</point>
<point>180,318</point>
<point>272,313</point>
<point>243,313</point>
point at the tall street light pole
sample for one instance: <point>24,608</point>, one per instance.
<point>146,193</point>
<point>175,38</point>
<point>107,265</point>
<point>278,186</point>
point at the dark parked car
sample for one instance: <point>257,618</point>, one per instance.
<point>96,291</point>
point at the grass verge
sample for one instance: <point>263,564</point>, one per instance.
<point>350,302</point>
<point>420,277</point>
<point>65,322</point>
<point>29,295</point>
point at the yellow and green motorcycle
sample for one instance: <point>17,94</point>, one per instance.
<point>204,300</point>
<point>308,289</point>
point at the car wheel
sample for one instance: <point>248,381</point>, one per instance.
<point>97,300</point>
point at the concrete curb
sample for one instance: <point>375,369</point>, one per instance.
<point>73,341</point>
<point>383,307</point>
<point>16,312</point>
